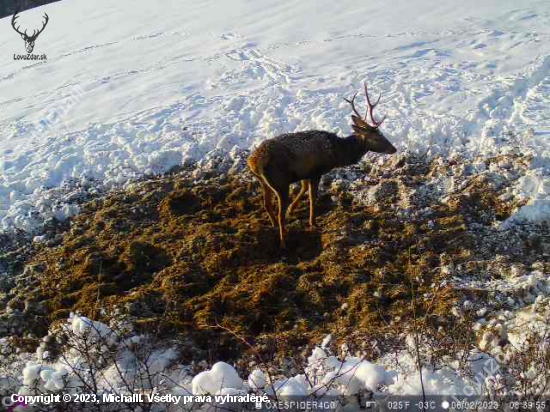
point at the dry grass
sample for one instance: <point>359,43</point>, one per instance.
<point>181,255</point>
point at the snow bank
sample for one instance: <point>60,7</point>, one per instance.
<point>171,86</point>
<point>119,370</point>
<point>221,376</point>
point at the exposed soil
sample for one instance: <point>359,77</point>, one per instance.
<point>184,255</point>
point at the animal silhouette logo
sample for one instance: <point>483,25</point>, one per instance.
<point>29,40</point>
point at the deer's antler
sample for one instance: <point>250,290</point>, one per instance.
<point>35,33</point>
<point>15,16</point>
<point>371,108</point>
<point>362,120</point>
<point>352,102</point>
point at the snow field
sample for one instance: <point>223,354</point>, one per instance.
<point>175,84</point>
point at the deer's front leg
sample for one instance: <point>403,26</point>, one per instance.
<point>282,195</point>
<point>313,189</point>
<point>294,203</point>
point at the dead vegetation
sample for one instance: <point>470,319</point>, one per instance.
<point>181,255</point>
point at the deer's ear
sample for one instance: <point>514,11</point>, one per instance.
<point>360,122</point>
<point>359,130</point>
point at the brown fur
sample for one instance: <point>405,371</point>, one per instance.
<point>306,156</point>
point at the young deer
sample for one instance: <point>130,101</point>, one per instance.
<point>306,156</point>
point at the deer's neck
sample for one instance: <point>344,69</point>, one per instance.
<point>352,149</point>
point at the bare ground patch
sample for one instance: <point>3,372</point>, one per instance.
<point>185,256</point>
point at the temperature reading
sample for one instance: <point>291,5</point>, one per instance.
<point>397,405</point>
<point>426,405</point>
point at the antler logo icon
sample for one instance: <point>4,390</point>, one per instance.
<point>29,40</point>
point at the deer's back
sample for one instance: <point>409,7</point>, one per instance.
<point>302,155</point>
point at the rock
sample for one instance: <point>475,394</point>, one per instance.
<point>55,241</point>
<point>29,277</point>
<point>139,309</point>
<point>385,191</point>
<point>7,282</point>
<point>539,266</point>
<point>517,271</point>
<point>533,240</point>
<point>15,305</point>
<point>35,308</point>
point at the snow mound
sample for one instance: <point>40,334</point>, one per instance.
<point>221,376</point>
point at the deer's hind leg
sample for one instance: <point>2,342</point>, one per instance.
<point>284,200</point>
<point>313,189</point>
<point>281,188</point>
<point>268,201</point>
<point>294,203</point>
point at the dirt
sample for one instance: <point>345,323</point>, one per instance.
<point>199,257</point>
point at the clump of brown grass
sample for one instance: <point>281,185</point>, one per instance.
<point>197,254</point>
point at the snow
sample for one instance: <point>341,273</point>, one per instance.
<point>221,376</point>
<point>257,379</point>
<point>292,387</point>
<point>82,326</point>
<point>441,382</point>
<point>324,374</point>
<point>132,89</point>
<point>187,80</point>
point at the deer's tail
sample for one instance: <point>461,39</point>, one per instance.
<point>258,161</point>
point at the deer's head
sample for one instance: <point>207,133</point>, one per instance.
<point>370,135</point>
<point>29,40</point>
